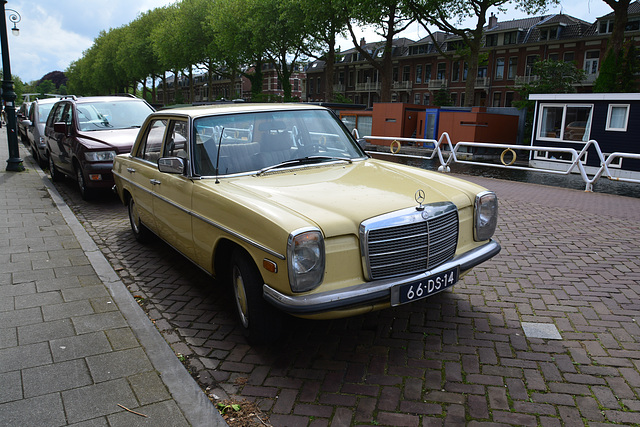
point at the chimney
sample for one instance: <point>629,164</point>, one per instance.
<point>493,20</point>
<point>362,42</point>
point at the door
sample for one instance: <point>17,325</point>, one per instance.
<point>60,142</point>
<point>172,192</point>
<point>144,170</point>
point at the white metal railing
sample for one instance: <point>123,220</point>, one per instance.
<point>577,157</point>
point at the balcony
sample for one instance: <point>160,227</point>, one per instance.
<point>338,87</point>
<point>523,80</point>
<point>437,84</point>
<point>368,87</point>
<point>483,83</point>
<point>406,85</point>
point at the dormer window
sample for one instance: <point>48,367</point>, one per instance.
<point>549,33</point>
<point>491,40</point>
<point>510,37</point>
<point>633,25</point>
<point>605,27</point>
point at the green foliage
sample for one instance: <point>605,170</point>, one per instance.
<point>617,72</point>
<point>341,99</point>
<point>442,98</point>
<point>553,77</point>
<point>46,86</point>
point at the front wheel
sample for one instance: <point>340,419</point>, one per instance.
<point>261,322</point>
<point>140,232</point>
<point>82,184</point>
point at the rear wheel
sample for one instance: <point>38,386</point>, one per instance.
<point>261,322</point>
<point>140,232</point>
<point>55,175</point>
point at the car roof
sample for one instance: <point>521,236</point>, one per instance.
<point>46,100</point>
<point>84,99</point>
<point>208,110</point>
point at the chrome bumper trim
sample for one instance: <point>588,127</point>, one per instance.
<point>371,292</point>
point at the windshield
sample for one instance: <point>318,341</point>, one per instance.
<point>252,142</point>
<point>112,115</point>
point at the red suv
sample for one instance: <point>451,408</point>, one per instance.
<point>83,135</point>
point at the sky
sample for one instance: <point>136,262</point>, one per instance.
<point>54,33</point>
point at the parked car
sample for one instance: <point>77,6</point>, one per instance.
<point>21,115</point>
<point>83,135</point>
<point>35,122</point>
<point>281,202</point>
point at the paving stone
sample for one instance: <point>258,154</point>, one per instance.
<point>98,322</point>
<point>37,411</point>
<point>24,356</point>
<point>149,388</point>
<point>97,400</point>
<point>45,331</point>
<point>161,414</point>
<point>11,386</point>
<point>79,346</point>
<point>55,377</point>
<point>118,364</point>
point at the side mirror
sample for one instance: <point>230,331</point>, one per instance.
<point>27,122</point>
<point>60,127</point>
<point>176,165</point>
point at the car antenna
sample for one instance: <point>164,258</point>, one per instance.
<point>218,155</point>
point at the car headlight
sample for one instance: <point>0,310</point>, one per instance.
<point>100,156</point>
<point>305,250</point>
<point>485,215</point>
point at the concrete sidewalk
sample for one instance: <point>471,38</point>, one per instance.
<point>75,347</point>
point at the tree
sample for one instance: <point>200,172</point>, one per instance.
<point>620,14</point>
<point>553,77</point>
<point>46,86</point>
<point>279,24</point>
<point>388,18</point>
<point>448,15</point>
<point>325,20</point>
<point>236,43</point>
<point>617,72</point>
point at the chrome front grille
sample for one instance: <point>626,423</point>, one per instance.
<point>409,241</point>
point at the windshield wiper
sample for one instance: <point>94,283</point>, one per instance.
<point>303,161</point>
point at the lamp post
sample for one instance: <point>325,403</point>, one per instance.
<point>8,94</point>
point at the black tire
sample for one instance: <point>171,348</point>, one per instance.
<point>55,175</point>
<point>261,322</point>
<point>140,231</point>
<point>85,192</point>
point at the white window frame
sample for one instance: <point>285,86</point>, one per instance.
<point>560,138</point>
<point>626,118</point>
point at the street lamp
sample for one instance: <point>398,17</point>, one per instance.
<point>8,94</point>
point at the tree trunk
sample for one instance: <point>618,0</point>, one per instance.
<point>330,71</point>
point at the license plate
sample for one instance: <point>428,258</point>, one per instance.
<point>428,286</point>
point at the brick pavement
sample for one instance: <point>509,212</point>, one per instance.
<point>570,260</point>
<point>74,344</point>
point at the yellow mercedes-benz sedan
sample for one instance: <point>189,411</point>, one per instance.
<point>281,202</point>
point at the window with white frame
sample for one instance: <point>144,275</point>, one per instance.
<point>617,117</point>
<point>566,122</point>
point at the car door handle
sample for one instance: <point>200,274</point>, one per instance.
<point>131,170</point>
<point>154,182</point>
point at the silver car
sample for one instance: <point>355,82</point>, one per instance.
<point>35,122</point>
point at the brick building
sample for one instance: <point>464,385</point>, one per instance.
<point>511,49</point>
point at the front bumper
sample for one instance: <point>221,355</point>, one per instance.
<point>377,291</point>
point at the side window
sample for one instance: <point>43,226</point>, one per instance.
<point>150,147</point>
<point>66,115</point>
<point>57,115</point>
<point>178,140</point>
